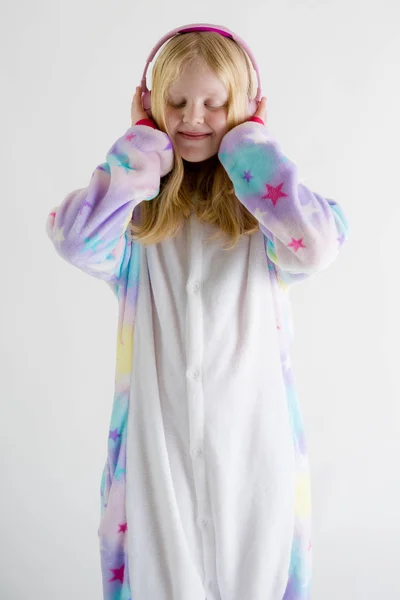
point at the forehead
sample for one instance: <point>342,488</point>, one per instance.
<point>198,80</point>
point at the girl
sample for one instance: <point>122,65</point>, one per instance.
<point>205,492</point>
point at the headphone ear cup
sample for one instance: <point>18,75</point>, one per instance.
<point>146,102</point>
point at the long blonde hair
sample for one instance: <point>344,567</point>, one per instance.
<point>215,201</point>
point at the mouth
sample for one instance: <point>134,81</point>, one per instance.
<point>193,136</point>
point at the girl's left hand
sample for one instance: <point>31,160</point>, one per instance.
<point>261,111</point>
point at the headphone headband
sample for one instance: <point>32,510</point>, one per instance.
<point>202,27</point>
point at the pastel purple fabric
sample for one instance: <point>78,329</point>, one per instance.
<point>303,233</point>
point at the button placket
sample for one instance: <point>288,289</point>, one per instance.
<point>195,398</point>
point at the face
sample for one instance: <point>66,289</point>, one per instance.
<point>197,103</point>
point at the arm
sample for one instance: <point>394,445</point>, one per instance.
<point>88,227</point>
<point>303,230</point>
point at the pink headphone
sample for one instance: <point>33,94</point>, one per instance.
<point>146,93</point>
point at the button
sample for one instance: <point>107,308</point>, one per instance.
<point>193,287</point>
<point>203,521</point>
<point>195,374</point>
<point>198,451</point>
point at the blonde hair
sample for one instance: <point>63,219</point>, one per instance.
<point>215,201</point>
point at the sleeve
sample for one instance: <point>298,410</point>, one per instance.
<point>303,230</point>
<point>88,227</point>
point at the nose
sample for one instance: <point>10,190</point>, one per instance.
<point>193,114</point>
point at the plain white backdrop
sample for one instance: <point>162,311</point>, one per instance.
<point>330,71</point>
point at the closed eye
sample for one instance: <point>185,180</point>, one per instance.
<point>210,107</point>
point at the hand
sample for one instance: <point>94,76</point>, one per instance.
<point>137,110</point>
<point>261,111</point>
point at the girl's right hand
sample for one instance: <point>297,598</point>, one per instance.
<point>137,110</point>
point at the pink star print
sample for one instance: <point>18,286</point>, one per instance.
<point>297,244</point>
<point>123,527</point>
<point>274,193</point>
<point>130,137</point>
<point>118,574</point>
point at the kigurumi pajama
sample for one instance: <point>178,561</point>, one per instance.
<point>205,493</point>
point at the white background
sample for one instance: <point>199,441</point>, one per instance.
<point>330,71</point>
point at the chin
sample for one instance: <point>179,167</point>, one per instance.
<point>193,159</point>
<point>191,153</point>
<point>197,156</point>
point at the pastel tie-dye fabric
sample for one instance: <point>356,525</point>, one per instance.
<point>303,233</point>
